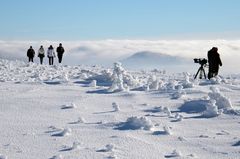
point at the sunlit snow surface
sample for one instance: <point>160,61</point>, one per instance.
<point>94,112</point>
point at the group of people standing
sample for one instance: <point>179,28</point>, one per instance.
<point>50,54</point>
<point>214,60</point>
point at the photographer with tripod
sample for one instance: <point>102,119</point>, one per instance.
<point>201,71</point>
<point>214,62</point>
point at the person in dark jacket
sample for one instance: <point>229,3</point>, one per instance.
<point>214,62</point>
<point>41,54</point>
<point>60,51</point>
<point>30,54</point>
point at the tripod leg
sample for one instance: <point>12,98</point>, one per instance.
<point>204,74</point>
<point>197,73</point>
<point>201,74</point>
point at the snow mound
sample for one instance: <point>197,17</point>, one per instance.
<point>109,148</point>
<point>102,78</point>
<point>179,93</point>
<point>153,83</point>
<point>178,117</point>
<point>93,83</point>
<point>193,106</point>
<point>158,109</point>
<point>211,110</point>
<point>213,81</point>
<point>216,80</point>
<point>222,102</point>
<point>161,109</point>
<point>216,104</point>
<point>81,120</point>
<point>167,130</point>
<point>186,83</point>
<point>134,123</point>
<point>75,146</point>
<point>115,107</point>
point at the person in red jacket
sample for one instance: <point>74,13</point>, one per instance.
<point>214,62</point>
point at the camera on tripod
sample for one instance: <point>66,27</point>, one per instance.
<point>203,63</point>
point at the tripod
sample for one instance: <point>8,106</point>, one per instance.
<point>202,71</point>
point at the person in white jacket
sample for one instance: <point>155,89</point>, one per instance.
<point>41,54</point>
<point>51,54</point>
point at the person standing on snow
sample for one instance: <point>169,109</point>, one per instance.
<point>60,51</point>
<point>214,62</point>
<point>51,54</point>
<point>41,54</point>
<point>30,54</point>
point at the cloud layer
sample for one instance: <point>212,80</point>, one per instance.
<point>105,52</point>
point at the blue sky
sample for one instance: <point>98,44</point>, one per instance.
<point>118,19</point>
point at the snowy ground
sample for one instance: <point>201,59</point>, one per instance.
<point>63,112</point>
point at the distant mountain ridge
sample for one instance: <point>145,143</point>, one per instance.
<point>149,59</point>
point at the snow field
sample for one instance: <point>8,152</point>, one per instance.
<point>57,112</point>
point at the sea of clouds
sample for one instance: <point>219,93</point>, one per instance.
<point>105,52</point>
